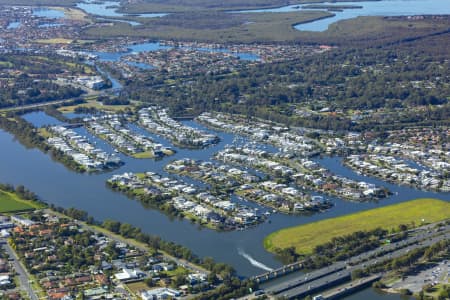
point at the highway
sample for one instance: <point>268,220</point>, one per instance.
<point>28,106</point>
<point>341,271</point>
<point>306,278</point>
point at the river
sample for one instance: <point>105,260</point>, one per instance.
<point>242,249</point>
<point>369,8</point>
<point>109,9</point>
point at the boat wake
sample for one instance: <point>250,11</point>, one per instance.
<point>253,261</point>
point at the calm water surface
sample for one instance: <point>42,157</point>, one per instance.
<point>47,25</point>
<point>369,8</point>
<point>155,46</point>
<point>13,25</point>
<point>109,9</point>
<point>89,192</point>
<point>48,13</point>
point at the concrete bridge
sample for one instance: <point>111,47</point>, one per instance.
<point>351,287</point>
<point>284,270</point>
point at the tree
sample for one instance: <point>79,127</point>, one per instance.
<point>126,230</point>
<point>113,226</point>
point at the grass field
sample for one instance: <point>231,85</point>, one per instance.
<point>54,41</point>
<point>136,287</point>
<point>73,13</point>
<point>145,154</point>
<point>94,104</point>
<point>305,237</point>
<point>10,202</point>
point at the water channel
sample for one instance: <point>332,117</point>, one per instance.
<point>369,8</point>
<point>243,249</point>
<point>155,46</point>
<point>109,9</point>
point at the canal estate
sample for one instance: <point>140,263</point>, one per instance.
<point>61,187</point>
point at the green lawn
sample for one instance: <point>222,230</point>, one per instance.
<point>93,104</point>
<point>10,202</point>
<point>145,154</point>
<point>305,237</point>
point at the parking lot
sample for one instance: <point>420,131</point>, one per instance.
<point>434,275</point>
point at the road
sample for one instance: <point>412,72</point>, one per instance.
<point>28,106</point>
<point>340,271</point>
<point>89,93</point>
<point>179,261</point>
<point>24,277</point>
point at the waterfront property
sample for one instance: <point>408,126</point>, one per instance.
<point>61,187</point>
<point>287,140</point>
<point>112,129</point>
<point>229,179</point>
<point>81,150</point>
<point>176,197</point>
<point>156,120</point>
<point>399,171</point>
<point>303,172</point>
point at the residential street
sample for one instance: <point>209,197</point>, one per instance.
<point>23,275</point>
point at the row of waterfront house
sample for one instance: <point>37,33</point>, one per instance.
<point>80,149</point>
<point>156,120</point>
<point>198,204</point>
<point>112,128</point>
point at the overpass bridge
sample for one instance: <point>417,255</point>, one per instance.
<point>279,272</point>
<point>303,284</point>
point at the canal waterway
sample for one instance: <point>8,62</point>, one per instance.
<point>365,8</point>
<point>242,249</point>
<point>13,25</point>
<point>156,46</point>
<point>109,9</point>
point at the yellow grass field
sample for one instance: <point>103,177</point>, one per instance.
<point>73,13</point>
<point>54,41</point>
<point>305,237</point>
